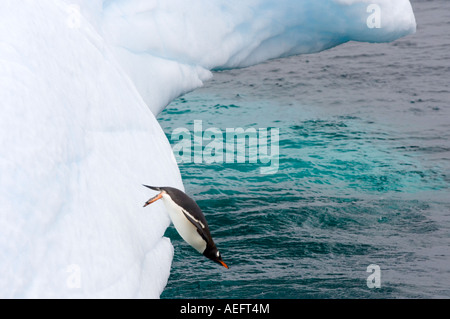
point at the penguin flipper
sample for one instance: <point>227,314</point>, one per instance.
<point>201,228</point>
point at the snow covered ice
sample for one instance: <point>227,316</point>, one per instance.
<point>80,85</point>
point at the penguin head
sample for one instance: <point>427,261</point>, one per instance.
<point>214,254</point>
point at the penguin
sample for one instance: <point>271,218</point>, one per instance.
<point>189,221</point>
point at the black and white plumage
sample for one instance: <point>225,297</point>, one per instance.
<point>189,221</point>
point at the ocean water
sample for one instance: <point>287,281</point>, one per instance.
<point>363,176</point>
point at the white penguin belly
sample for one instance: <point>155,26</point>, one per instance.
<point>184,227</point>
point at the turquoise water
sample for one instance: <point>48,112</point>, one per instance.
<point>363,176</point>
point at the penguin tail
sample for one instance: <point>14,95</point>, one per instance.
<point>153,187</point>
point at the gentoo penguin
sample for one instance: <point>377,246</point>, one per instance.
<point>189,221</point>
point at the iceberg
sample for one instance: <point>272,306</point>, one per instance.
<point>80,85</point>
<point>179,42</point>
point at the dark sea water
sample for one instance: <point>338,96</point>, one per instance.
<point>363,178</point>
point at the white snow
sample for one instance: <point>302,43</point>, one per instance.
<point>79,81</point>
<point>76,143</point>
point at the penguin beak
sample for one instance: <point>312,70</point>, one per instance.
<point>153,199</point>
<point>223,264</point>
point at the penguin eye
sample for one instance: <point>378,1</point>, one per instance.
<point>217,254</point>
